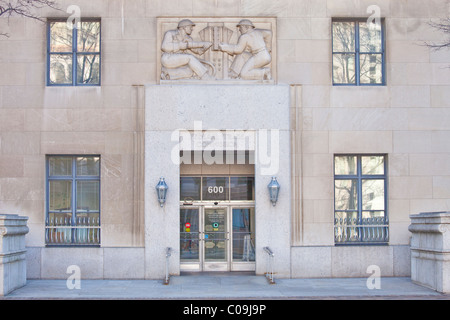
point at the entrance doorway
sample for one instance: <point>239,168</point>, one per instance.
<point>217,223</point>
<point>217,237</point>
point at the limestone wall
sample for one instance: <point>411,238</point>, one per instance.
<point>407,119</point>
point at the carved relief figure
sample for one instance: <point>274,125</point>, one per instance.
<point>178,60</point>
<point>253,52</point>
<point>217,32</point>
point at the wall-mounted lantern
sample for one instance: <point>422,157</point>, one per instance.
<point>274,189</point>
<point>161,191</point>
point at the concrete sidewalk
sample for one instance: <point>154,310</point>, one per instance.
<point>213,287</point>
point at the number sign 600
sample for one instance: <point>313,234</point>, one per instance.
<point>215,189</point>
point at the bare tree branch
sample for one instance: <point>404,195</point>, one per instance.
<point>24,8</point>
<point>443,25</point>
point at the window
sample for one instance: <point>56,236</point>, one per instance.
<point>360,199</point>
<point>73,53</point>
<point>73,200</point>
<point>217,188</point>
<point>358,52</point>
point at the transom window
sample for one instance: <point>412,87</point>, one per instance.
<point>73,57</point>
<point>217,188</point>
<point>358,52</point>
<point>360,199</point>
<point>73,200</point>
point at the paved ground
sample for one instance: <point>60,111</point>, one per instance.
<point>225,287</point>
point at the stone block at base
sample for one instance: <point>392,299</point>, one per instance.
<point>430,250</point>
<point>13,273</point>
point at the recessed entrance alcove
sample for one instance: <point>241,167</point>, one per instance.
<point>210,122</point>
<point>217,211</point>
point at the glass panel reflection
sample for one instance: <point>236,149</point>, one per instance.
<point>190,188</point>
<point>370,37</point>
<point>60,166</point>
<point>345,165</point>
<point>371,68</point>
<point>88,166</point>
<point>61,68</point>
<point>215,235</point>
<point>346,194</point>
<point>343,37</point>
<point>373,194</point>
<point>372,165</point>
<point>60,37</point>
<point>88,195</point>
<point>189,234</point>
<point>243,234</point>
<point>88,69</point>
<point>242,188</point>
<point>344,68</point>
<point>88,37</point>
<point>60,195</point>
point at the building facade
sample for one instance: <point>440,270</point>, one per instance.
<point>339,101</point>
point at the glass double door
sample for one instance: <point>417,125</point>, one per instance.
<point>217,238</point>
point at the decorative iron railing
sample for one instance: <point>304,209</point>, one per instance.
<point>365,230</point>
<point>67,231</point>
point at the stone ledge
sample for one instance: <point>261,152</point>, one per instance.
<point>12,256</point>
<point>430,250</point>
<point>218,82</point>
<point>431,217</point>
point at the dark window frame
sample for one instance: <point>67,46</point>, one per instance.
<point>357,53</point>
<point>360,177</point>
<point>75,54</point>
<point>71,224</point>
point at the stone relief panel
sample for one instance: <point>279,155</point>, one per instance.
<point>206,49</point>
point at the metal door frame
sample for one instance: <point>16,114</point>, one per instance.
<point>239,265</point>
<point>193,265</point>
<point>216,265</point>
<point>229,264</point>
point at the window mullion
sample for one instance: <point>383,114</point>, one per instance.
<point>360,197</point>
<point>383,57</point>
<point>74,53</point>
<point>357,53</point>
<point>74,198</point>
